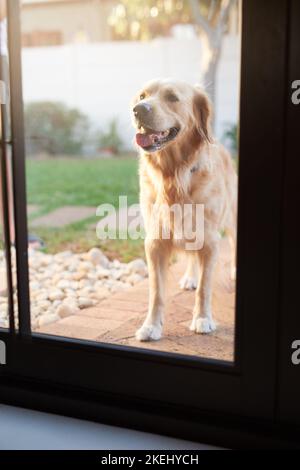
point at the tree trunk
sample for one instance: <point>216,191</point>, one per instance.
<point>214,36</point>
<point>210,80</point>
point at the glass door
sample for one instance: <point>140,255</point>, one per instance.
<point>82,297</point>
<point>88,244</point>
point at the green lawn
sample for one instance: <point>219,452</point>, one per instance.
<point>58,182</point>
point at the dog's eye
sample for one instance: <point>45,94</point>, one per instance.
<point>142,96</point>
<point>172,97</point>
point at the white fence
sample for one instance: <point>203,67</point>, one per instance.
<point>101,78</point>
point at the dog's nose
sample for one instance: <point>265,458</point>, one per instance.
<point>141,110</point>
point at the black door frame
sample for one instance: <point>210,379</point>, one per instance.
<point>147,384</point>
<point>289,331</point>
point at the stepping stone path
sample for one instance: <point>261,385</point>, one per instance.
<point>64,216</point>
<point>122,220</point>
<point>32,208</point>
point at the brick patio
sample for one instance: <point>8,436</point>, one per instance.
<point>116,319</point>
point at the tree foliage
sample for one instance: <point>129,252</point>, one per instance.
<point>147,19</point>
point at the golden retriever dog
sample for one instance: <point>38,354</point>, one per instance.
<point>181,166</point>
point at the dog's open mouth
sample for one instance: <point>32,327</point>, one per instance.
<point>151,140</point>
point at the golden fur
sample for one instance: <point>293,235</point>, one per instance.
<point>190,169</point>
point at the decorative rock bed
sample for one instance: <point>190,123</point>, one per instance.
<point>64,283</point>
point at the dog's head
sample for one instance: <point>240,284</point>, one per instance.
<point>166,112</point>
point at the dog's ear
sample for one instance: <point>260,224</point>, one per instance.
<point>202,112</point>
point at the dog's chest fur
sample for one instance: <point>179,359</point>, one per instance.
<point>180,194</point>
<point>186,183</point>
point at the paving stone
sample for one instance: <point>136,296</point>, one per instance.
<point>131,305</point>
<point>124,334</point>
<point>86,322</point>
<point>64,216</point>
<point>111,313</point>
<point>70,331</point>
<point>139,296</point>
<point>122,220</point>
<point>79,327</point>
<point>32,208</point>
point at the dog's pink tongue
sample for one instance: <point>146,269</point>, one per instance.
<point>144,140</point>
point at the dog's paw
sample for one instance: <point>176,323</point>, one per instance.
<point>149,333</point>
<point>203,326</point>
<point>188,283</point>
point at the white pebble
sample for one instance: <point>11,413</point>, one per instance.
<point>138,266</point>
<point>95,255</point>
<point>77,276</point>
<point>47,319</point>
<point>66,310</point>
<point>56,294</point>
<point>84,302</point>
<point>44,304</point>
<point>63,284</point>
<point>102,273</point>
<point>134,279</point>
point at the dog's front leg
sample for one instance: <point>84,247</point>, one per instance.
<point>157,253</point>
<point>202,317</point>
<point>190,279</point>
